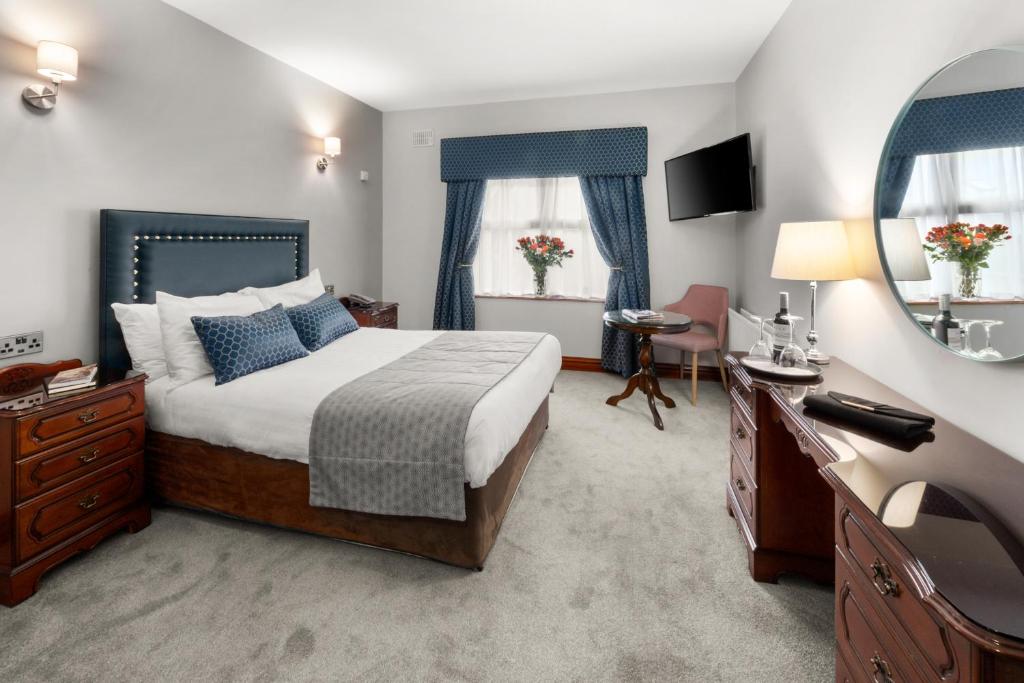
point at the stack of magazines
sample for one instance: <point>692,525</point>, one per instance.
<point>75,379</point>
<point>641,315</point>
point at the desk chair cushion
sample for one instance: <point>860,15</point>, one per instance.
<point>694,341</point>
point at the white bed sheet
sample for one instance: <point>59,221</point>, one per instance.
<point>271,411</point>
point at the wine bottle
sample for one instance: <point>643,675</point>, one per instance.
<point>945,327</point>
<point>781,325</point>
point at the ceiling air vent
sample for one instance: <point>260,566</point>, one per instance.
<point>423,138</point>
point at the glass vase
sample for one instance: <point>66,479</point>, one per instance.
<point>539,281</point>
<point>966,281</point>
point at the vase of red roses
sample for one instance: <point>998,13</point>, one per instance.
<point>542,252</point>
<point>968,247</point>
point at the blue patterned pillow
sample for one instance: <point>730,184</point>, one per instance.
<point>321,321</point>
<point>238,345</point>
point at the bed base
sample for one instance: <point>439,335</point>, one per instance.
<point>194,474</point>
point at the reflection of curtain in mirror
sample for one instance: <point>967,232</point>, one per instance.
<point>978,186</point>
<point>517,207</point>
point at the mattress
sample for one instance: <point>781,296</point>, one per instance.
<point>271,411</point>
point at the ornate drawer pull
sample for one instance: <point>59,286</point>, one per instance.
<point>740,484</point>
<point>880,671</point>
<point>88,416</point>
<point>882,578</point>
<point>89,456</point>
<point>89,501</point>
<point>740,434</point>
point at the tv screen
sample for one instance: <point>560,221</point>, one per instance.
<point>713,180</point>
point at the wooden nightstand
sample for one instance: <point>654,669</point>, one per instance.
<point>381,314</point>
<point>70,471</point>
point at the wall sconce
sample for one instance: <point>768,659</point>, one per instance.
<point>59,63</point>
<point>332,148</point>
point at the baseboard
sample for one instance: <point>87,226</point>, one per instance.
<point>705,373</point>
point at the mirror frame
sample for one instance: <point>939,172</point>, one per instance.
<point>900,117</point>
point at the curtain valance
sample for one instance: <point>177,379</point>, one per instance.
<point>958,123</point>
<point>585,153</point>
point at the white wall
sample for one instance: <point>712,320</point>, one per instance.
<point>681,253</point>
<point>819,98</point>
<point>168,114</point>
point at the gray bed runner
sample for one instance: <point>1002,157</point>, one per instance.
<point>393,441</point>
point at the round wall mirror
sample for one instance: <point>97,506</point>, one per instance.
<point>949,206</point>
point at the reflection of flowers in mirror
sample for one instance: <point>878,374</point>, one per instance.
<point>542,252</point>
<point>969,247</point>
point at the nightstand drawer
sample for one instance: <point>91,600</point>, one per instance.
<point>48,470</point>
<point>387,319</point>
<point>55,516</point>
<point>58,426</point>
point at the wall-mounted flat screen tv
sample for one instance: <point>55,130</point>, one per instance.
<point>714,180</point>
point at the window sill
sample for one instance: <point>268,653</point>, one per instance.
<point>534,297</point>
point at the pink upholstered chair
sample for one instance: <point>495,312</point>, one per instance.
<point>708,307</point>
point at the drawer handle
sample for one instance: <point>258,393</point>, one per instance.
<point>740,484</point>
<point>882,578</point>
<point>89,456</point>
<point>740,434</point>
<point>880,671</point>
<point>89,502</point>
<point>88,416</point>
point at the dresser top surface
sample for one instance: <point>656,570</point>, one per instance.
<point>970,545</point>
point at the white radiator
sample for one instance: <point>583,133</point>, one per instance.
<point>743,331</point>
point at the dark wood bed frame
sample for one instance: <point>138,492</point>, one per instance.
<point>192,255</point>
<point>194,474</point>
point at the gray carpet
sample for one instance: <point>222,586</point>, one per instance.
<point>617,562</point>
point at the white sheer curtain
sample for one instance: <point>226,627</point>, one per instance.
<point>978,186</point>
<point>514,208</point>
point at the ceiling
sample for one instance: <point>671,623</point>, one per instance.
<point>408,54</point>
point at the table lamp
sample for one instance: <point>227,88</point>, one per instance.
<point>812,252</point>
<point>904,253</point>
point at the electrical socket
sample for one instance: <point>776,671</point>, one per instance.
<point>21,344</point>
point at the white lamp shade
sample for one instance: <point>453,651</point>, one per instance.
<point>813,251</point>
<point>904,254</point>
<point>332,146</point>
<point>57,61</point>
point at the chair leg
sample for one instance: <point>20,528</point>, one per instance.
<point>721,368</point>
<point>693,378</point>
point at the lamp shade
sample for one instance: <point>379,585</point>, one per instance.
<point>813,251</point>
<point>57,61</point>
<point>332,146</point>
<point>904,254</point>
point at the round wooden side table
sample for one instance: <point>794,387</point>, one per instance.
<point>646,380</point>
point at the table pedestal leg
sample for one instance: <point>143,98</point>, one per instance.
<point>647,382</point>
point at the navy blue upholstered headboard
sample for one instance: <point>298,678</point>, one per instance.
<point>189,255</point>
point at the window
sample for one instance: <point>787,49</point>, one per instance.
<point>518,207</point>
<point>977,186</point>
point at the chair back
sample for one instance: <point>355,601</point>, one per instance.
<point>706,305</point>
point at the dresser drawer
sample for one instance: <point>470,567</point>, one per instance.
<point>61,425</point>
<point>742,434</point>
<point>861,637</point>
<point>59,514</point>
<point>743,487</point>
<point>741,394</point>
<point>932,645</point>
<point>49,469</point>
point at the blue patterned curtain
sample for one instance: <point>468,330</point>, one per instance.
<point>615,206</point>
<point>944,125</point>
<point>453,303</point>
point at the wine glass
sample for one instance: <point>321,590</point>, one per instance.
<point>761,351</point>
<point>989,352</point>
<point>965,326</point>
<point>792,355</point>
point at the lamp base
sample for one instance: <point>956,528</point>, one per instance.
<point>817,357</point>
<point>40,96</point>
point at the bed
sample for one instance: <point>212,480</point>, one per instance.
<point>241,449</point>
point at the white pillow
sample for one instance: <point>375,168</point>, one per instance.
<point>140,326</point>
<point>289,294</point>
<point>185,355</point>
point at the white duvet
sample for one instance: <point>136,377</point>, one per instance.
<point>271,411</point>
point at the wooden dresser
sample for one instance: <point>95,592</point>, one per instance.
<point>922,539</point>
<point>381,314</point>
<point>71,471</point>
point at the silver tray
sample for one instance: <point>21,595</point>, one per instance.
<point>777,372</point>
